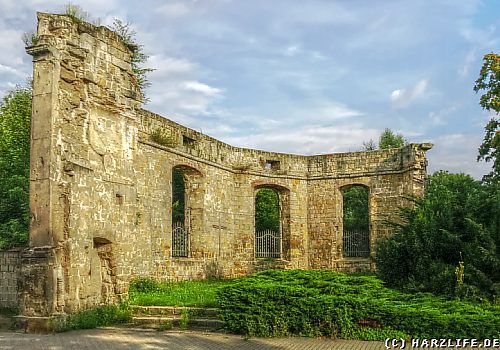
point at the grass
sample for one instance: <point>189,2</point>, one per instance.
<point>96,317</point>
<point>323,303</point>
<point>146,292</point>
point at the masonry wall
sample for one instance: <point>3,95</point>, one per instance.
<point>101,185</point>
<point>9,270</point>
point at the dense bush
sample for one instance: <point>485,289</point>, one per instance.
<point>326,303</point>
<point>457,220</point>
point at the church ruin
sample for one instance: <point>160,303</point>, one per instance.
<point>101,187</point>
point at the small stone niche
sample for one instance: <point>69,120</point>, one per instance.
<point>188,141</point>
<point>119,199</point>
<point>272,165</point>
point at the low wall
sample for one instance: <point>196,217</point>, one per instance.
<point>9,268</point>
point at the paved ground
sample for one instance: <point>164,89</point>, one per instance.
<point>136,339</point>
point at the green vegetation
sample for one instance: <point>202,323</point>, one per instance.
<point>97,317</point>
<point>163,138</point>
<point>76,12</point>
<point>388,139</point>
<point>267,212</point>
<point>15,118</point>
<point>458,220</point>
<point>178,195</point>
<point>355,208</point>
<point>30,38</point>
<point>147,292</point>
<point>326,303</point>
<point>489,83</point>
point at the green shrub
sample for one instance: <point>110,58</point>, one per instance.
<point>163,138</point>
<point>96,317</point>
<point>458,220</point>
<point>327,303</point>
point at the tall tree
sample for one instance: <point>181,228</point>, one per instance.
<point>389,139</point>
<point>15,119</point>
<point>489,83</point>
<point>458,220</point>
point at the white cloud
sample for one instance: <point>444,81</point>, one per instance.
<point>204,89</point>
<point>453,152</point>
<point>440,117</point>
<point>219,129</point>
<point>468,60</point>
<point>11,47</point>
<point>292,50</point>
<point>307,140</point>
<point>166,67</point>
<point>396,94</point>
<point>334,110</point>
<point>176,89</point>
<point>484,37</point>
<point>402,98</point>
<point>175,9</point>
<point>10,70</point>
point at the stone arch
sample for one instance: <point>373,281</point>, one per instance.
<point>283,194</point>
<point>355,223</point>
<point>186,231</point>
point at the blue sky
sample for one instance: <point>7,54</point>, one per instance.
<point>305,77</point>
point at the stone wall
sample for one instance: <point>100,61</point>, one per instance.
<point>101,185</point>
<point>9,269</point>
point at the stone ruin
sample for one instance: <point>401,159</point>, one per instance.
<point>101,186</point>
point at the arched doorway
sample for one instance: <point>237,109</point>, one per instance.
<point>187,211</point>
<point>268,240</point>
<point>356,222</point>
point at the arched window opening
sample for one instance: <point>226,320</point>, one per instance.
<point>268,242</point>
<point>180,239</point>
<point>356,222</point>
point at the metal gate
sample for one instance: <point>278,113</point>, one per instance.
<point>267,244</point>
<point>180,240</point>
<point>356,243</point>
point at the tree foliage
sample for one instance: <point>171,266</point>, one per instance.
<point>267,215</point>
<point>355,208</point>
<point>178,195</point>
<point>15,119</point>
<point>457,220</point>
<point>389,139</point>
<point>489,83</point>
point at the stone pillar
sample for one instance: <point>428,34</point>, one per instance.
<point>83,142</point>
<point>37,287</point>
